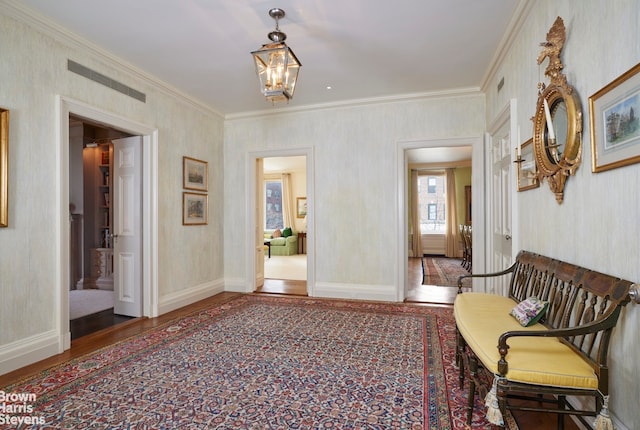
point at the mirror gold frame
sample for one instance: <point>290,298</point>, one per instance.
<point>557,128</point>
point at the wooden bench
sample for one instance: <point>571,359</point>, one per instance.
<point>565,353</point>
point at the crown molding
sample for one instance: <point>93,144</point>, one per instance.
<point>458,92</point>
<point>515,26</point>
<point>38,22</point>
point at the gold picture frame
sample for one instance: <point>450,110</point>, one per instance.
<point>301,207</point>
<point>614,113</point>
<point>195,208</point>
<point>527,168</point>
<point>4,167</point>
<point>195,174</point>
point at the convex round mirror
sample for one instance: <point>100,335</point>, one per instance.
<point>557,131</point>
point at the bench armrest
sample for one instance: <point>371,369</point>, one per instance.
<point>606,323</point>
<point>484,275</point>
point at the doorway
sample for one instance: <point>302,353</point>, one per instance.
<point>281,203</point>
<point>255,252</point>
<point>91,198</point>
<point>435,151</point>
<point>438,177</point>
<point>69,108</point>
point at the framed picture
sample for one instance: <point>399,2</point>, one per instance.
<point>527,170</point>
<point>614,112</point>
<point>301,207</point>
<point>194,172</point>
<point>4,167</point>
<point>194,209</point>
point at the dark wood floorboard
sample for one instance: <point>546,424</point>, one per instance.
<point>420,295</point>
<point>283,286</point>
<point>92,323</point>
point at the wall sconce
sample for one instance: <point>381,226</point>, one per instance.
<point>276,64</point>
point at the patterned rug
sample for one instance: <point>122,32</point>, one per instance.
<point>443,271</point>
<point>260,362</point>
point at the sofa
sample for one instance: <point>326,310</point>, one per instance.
<point>283,242</point>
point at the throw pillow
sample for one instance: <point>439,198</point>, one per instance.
<point>277,233</point>
<point>287,232</point>
<point>528,312</point>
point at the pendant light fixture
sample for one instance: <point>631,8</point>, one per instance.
<point>276,64</point>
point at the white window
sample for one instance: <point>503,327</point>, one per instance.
<point>433,202</point>
<point>273,204</point>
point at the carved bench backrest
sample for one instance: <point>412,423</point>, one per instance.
<point>576,296</point>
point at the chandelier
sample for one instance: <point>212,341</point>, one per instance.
<point>276,64</point>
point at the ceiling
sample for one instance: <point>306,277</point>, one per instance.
<point>285,164</point>
<point>366,50</point>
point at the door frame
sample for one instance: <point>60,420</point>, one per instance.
<point>250,215</point>
<point>477,203</point>
<point>66,106</point>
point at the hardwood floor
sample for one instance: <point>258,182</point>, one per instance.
<point>92,323</point>
<point>419,294</point>
<point>283,286</point>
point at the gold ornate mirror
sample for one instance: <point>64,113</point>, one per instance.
<point>557,128</point>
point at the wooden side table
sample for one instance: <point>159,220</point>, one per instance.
<point>301,236</point>
<point>267,242</point>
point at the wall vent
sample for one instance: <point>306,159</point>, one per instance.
<point>501,84</point>
<point>81,70</point>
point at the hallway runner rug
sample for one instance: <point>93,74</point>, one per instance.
<point>259,362</point>
<point>443,271</point>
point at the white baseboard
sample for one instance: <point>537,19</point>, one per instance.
<point>183,298</point>
<point>385,293</point>
<point>26,351</point>
<point>236,285</point>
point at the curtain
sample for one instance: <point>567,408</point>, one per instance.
<point>452,248</point>
<point>414,225</point>
<point>287,202</point>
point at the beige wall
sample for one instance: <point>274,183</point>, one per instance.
<point>355,183</point>
<point>597,224</point>
<point>33,71</point>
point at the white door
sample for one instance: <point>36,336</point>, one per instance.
<point>259,233</point>
<point>127,233</point>
<point>500,201</point>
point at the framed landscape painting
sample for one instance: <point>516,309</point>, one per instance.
<point>195,175</point>
<point>614,112</point>
<point>301,207</point>
<point>194,209</point>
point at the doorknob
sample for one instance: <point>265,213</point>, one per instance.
<point>507,236</point>
<point>114,238</point>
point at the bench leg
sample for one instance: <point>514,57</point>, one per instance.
<point>473,373</point>
<point>561,405</point>
<point>460,349</point>
<point>501,394</point>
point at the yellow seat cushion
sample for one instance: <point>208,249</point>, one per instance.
<point>481,319</point>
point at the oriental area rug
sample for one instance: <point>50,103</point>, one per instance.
<point>443,271</point>
<point>262,362</point>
